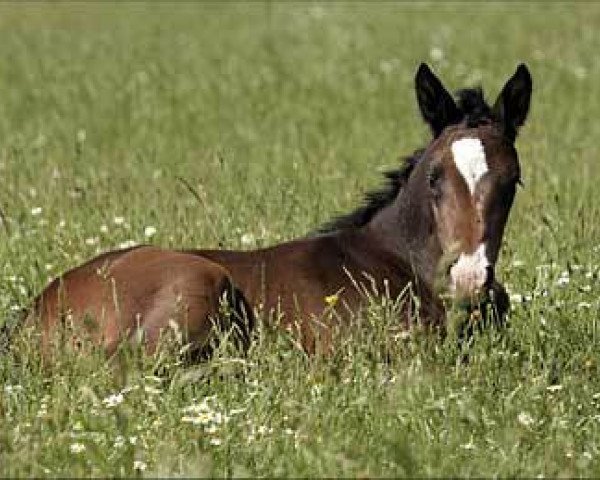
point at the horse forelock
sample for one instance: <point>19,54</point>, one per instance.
<point>472,104</point>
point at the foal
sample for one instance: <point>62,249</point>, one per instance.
<point>447,206</point>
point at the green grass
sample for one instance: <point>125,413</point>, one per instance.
<point>281,116</point>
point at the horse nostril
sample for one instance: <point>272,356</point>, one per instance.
<point>489,275</point>
<point>451,265</point>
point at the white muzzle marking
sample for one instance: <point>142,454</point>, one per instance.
<point>469,273</point>
<point>469,158</point>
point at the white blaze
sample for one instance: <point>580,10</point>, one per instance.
<point>469,273</point>
<point>469,158</point>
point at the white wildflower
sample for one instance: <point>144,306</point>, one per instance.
<point>436,54</point>
<point>119,441</point>
<point>127,244</point>
<point>525,419</point>
<point>584,305</point>
<point>197,409</point>
<point>77,447</point>
<point>113,400</point>
<point>118,220</point>
<point>518,263</point>
<point>35,211</point>
<point>139,466</point>
<point>264,430</point>
<point>211,429</point>
<point>468,446</point>
<point>92,241</point>
<point>152,390</point>
<point>517,298</point>
<point>195,420</point>
<point>157,423</point>
<point>247,239</point>
<point>203,406</point>
<point>215,441</point>
<point>12,388</point>
<point>149,231</point>
<point>103,228</point>
<point>316,390</point>
<point>78,426</point>
<point>219,418</point>
<point>563,279</point>
<point>237,411</point>
<point>554,388</point>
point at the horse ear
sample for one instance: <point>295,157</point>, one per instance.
<point>436,104</point>
<point>512,104</point>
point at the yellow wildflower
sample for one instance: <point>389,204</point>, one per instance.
<point>332,300</point>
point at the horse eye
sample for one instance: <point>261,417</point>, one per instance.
<point>434,177</point>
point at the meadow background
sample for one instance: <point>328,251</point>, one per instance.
<point>280,116</point>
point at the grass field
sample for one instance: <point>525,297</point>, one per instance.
<point>281,116</point>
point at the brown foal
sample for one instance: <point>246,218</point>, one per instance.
<point>442,213</point>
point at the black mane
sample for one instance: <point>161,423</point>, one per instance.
<point>475,111</point>
<point>376,199</point>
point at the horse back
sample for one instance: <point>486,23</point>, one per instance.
<point>144,289</point>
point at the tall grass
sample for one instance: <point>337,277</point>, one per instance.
<point>280,116</point>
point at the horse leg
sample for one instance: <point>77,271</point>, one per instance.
<point>193,305</point>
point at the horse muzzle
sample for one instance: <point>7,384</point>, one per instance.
<point>471,275</point>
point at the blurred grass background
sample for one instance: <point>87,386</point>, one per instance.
<point>281,115</point>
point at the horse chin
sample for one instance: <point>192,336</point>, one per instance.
<point>491,310</point>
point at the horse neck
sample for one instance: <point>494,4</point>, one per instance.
<point>406,228</point>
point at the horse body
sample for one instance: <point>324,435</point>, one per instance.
<point>441,215</point>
